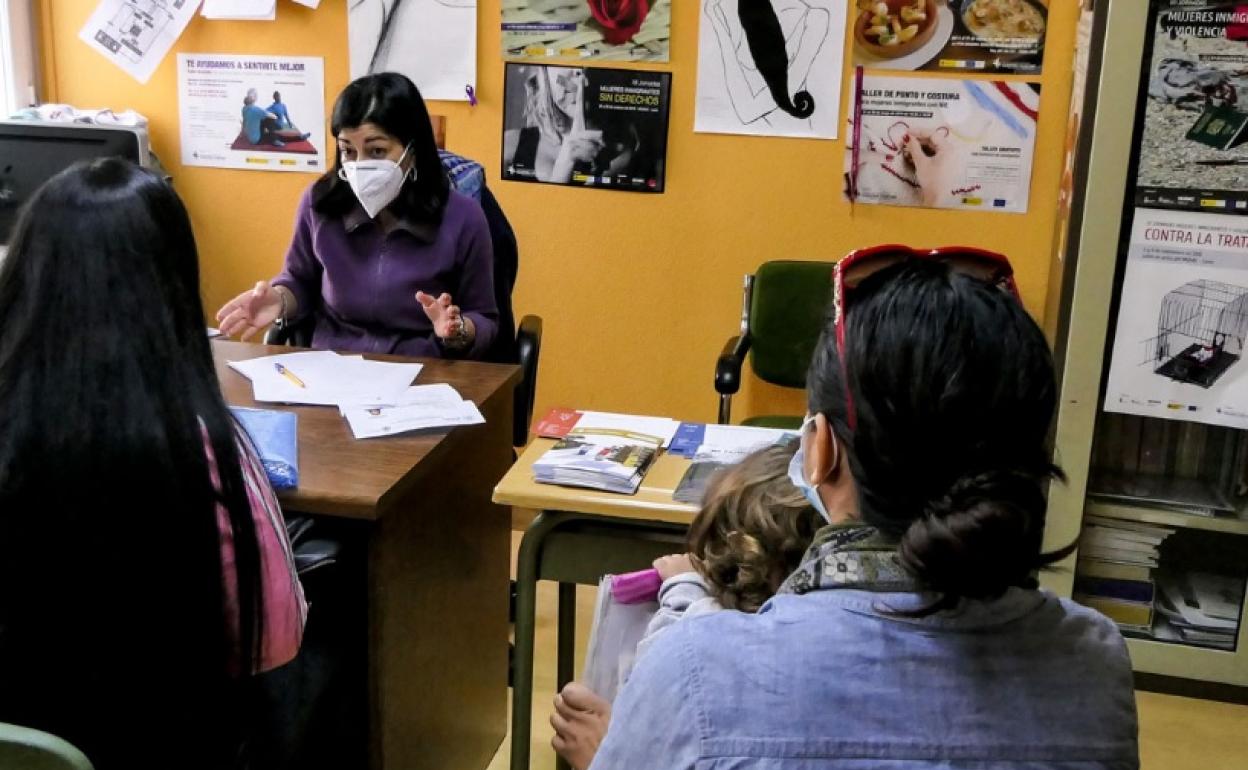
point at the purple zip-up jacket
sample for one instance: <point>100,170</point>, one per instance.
<point>360,284</point>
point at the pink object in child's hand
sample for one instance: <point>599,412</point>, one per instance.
<point>636,587</point>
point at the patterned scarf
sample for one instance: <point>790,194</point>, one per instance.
<point>850,555</point>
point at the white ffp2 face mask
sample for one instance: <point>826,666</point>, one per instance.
<point>376,183</point>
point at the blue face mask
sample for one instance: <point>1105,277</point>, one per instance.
<point>797,475</point>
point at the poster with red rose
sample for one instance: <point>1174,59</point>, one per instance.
<point>616,30</point>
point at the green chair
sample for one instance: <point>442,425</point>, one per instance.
<point>22,747</point>
<point>783,311</point>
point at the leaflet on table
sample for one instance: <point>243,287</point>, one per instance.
<point>596,460</point>
<point>560,422</point>
<point>723,443</point>
<point>326,378</point>
<point>370,422</point>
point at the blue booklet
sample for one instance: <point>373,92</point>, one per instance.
<point>276,438</point>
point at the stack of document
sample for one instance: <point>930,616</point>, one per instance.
<point>606,451</point>
<point>377,398</point>
<point>1200,608</point>
<point>419,407</point>
<point>725,444</point>
<point>324,378</point>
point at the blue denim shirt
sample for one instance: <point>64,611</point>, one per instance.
<point>826,680</point>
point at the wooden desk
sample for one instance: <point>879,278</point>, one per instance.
<point>580,535</point>
<point>437,556</point>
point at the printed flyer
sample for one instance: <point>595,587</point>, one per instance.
<point>942,143</point>
<point>1183,320</point>
<point>1194,146</point>
<point>587,127</point>
<point>264,113</point>
<point>606,30</point>
<point>952,35</point>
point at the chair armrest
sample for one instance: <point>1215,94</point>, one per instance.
<point>297,334</point>
<point>528,351</point>
<point>728,367</point>
<point>278,335</point>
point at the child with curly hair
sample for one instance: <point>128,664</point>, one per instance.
<point>750,533</point>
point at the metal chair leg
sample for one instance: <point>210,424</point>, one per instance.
<point>567,646</point>
<point>526,625</point>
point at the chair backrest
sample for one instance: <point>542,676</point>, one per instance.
<point>506,265</point>
<point>788,308</point>
<point>22,747</point>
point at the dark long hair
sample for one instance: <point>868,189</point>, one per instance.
<point>766,40</point>
<point>954,391</point>
<point>111,598</point>
<point>391,102</point>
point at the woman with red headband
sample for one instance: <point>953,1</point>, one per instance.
<point>914,634</point>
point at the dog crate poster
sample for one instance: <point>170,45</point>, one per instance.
<point>1183,321</point>
<point>261,113</point>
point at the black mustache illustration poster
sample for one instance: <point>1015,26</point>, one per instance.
<point>770,67</point>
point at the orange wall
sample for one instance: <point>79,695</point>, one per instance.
<point>638,292</point>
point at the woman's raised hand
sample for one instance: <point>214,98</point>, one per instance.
<point>446,318</point>
<point>250,312</point>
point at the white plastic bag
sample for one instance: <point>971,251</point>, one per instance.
<point>617,630</point>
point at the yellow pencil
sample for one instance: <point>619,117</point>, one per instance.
<point>288,374</point>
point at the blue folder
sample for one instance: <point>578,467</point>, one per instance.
<point>275,435</point>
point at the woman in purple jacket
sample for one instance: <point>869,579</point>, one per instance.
<point>386,257</point>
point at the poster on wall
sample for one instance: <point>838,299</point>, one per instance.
<point>433,42</point>
<point>951,35</point>
<point>770,67</point>
<point>136,35</point>
<point>586,126</point>
<point>606,30</point>
<point>262,113</point>
<point>1194,144</point>
<point>942,143</point>
<point>1179,346</point>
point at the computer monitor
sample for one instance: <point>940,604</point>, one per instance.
<point>31,152</point>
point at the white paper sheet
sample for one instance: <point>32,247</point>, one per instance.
<point>372,422</point>
<point>734,98</point>
<point>214,91</point>
<point>240,10</point>
<point>433,42</point>
<point>137,34</point>
<point>313,4</point>
<point>660,429</point>
<point>329,379</point>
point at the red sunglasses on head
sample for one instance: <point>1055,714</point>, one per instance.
<point>857,266</point>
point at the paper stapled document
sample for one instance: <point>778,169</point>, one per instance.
<point>136,35</point>
<point>240,10</point>
<point>325,378</point>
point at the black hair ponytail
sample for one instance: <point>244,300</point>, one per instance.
<point>766,41</point>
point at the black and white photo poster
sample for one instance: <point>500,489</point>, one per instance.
<point>770,67</point>
<point>586,126</point>
<point>1183,321</point>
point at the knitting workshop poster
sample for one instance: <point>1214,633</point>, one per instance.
<point>254,112</point>
<point>1194,145</point>
<point>606,30</point>
<point>942,143</point>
